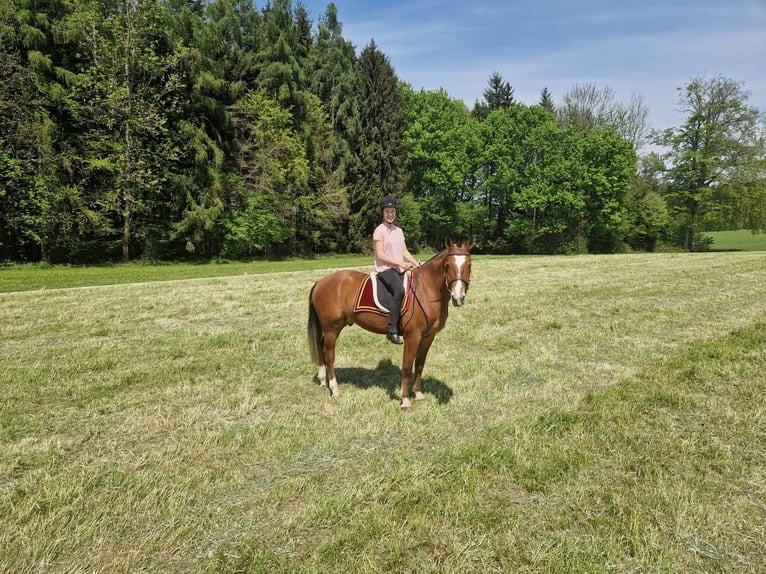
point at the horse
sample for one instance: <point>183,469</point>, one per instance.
<point>443,278</point>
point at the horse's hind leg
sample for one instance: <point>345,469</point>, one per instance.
<point>329,362</point>
<point>322,375</point>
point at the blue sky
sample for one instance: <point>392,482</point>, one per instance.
<point>647,48</point>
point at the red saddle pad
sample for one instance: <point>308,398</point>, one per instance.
<point>365,297</point>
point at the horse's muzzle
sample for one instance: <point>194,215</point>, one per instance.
<point>458,291</point>
<point>458,300</point>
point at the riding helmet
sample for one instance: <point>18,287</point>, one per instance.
<point>388,201</point>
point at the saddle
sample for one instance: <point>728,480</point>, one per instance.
<point>374,297</point>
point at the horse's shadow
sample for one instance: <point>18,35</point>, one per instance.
<point>388,376</point>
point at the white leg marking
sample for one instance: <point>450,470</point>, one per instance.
<point>322,376</point>
<point>334,387</point>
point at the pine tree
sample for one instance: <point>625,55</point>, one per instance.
<point>282,59</point>
<point>546,101</point>
<point>378,146</point>
<point>498,95</point>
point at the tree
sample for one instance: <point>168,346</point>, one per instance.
<point>715,157</point>
<point>282,59</point>
<point>217,65</point>
<point>498,95</point>
<point>273,170</point>
<point>333,80</point>
<point>587,107</point>
<point>546,101</point>
<point>441,139</point>
<point>609,166</point>
<point>26,158</point>
<point>35,109</point>
<point>648,216</point>
<point>128,89</point>
<point>547,211</point>
<point>525,169</point>
<point>378,146</point>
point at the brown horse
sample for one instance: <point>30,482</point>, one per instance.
<point>444,277</point>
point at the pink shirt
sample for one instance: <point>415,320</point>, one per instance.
<point>393,245</point>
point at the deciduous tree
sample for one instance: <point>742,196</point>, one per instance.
<point>441,140</point>
<point>715,158</point>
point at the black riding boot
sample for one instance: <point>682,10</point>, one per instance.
<point>393,322</point>
<point>393,282</point>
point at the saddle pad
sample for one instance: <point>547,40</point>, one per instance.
<point>372,291</point>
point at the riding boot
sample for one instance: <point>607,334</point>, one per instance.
<point>393,324</point>
<point>395,339</point>
<point>393,282</point>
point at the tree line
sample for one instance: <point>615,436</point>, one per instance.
<point>165,129</point>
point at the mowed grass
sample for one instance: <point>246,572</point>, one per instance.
<point>43,276</point>
<point>583,414</point>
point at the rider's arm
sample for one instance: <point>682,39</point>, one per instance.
<point>408,256</point>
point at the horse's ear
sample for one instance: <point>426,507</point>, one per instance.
<point>447,242</point>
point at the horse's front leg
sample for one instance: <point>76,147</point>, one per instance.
<point>420,361</point>
<point>411,344</point>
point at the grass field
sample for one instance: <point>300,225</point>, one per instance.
<point>33,277</point>
<point>583,414</point>
<point>742,240</point>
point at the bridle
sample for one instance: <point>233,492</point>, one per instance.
<point>466,283</point>
<point>447,283</point>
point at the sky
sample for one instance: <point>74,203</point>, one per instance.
<point>643,48</point>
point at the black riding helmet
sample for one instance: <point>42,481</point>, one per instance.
<point>388,201</point>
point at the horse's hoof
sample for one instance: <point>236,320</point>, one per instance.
<point>406,404</point>
<point>419,396</point>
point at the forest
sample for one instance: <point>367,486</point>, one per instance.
<point>219,129</point>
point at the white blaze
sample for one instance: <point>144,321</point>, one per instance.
<point>459,286</point>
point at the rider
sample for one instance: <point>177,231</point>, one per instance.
<point>392,259</point>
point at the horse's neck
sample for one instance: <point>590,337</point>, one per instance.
<point>434,274</point>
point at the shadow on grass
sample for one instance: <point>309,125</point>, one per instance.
<point>388,377</point>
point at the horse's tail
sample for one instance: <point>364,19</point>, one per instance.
<point>316,335</point>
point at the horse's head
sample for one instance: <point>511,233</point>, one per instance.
<point>457,270</point>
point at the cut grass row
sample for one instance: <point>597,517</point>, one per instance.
<point>583,414</point>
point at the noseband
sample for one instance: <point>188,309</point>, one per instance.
<point>466,282</point>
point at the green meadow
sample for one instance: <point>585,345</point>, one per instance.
<point>742,240</point>
<point>582,414</point>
